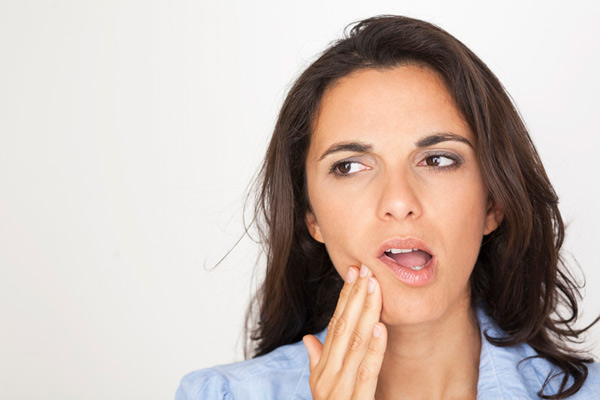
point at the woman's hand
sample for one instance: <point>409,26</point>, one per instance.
<point>347,365</point>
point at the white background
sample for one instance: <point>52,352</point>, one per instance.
<point>130,130</point>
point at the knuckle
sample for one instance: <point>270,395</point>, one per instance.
<point>356,342</point>
<point>346,289</point>
<point>340,327</point>
<point>332,322</point>
<point>368,306</point>
<point>373,349</point>
<point>355,290</point>
<point>364,373</point>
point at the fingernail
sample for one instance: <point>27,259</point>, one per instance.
<point>363,271</point>
<point>351,275</point>
<point>371,285</point>
<point>376,331</point>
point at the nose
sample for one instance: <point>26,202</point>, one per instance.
<point>399,198</point>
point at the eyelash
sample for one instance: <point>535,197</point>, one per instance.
<point>334,168</point>
<point>457,163</point>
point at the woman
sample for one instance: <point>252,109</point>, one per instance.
<point>410,227</point>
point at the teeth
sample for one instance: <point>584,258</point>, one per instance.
<point>398,251</point>
<point>420,267</point>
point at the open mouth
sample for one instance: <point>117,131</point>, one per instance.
<point>410,260</point>
<point>414,259</point>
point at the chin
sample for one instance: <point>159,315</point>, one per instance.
<point>417,308</point>
<point>406,319</point>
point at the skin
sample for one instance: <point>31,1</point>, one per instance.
<point>383,328</point>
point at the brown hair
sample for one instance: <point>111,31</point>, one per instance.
<point>519,277</point>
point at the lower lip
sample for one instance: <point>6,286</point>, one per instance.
<point>408,275</point>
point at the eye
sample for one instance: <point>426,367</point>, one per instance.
<point>440,161</point>
<point>345,168</point>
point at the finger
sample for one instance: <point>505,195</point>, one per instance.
<point>361,337</point>
<point>351,276</point>
<point>346,323</point>
<point>314,349</point>
<point>368,370</point>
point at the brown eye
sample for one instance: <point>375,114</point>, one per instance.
<point>344,168</point>
<point>440,161</point>
<point>347,168</point>
<point>433,161</point>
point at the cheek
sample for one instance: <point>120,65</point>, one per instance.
<point>463,219</point>
<point>339,220</point>
<point>462,201</point>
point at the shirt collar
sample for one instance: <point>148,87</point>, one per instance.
<point>506,372</point>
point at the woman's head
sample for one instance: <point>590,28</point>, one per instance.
<point>393,165</point>
<point>516,272</point>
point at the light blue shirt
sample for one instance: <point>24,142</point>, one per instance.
<point>283,374</point>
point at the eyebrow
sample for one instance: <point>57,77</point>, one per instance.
<point>442,137</point>
<point>357,147</point>
<point>361,147</point>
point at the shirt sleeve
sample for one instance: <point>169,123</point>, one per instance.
<point>206,384</point>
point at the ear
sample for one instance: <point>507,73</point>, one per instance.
<point>493,217</point>
<point>313,227</point>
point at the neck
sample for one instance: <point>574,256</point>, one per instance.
<point>435,360</point>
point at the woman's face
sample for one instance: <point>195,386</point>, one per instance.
<point>392,166</point>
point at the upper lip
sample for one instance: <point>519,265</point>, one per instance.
<point>403,243</point>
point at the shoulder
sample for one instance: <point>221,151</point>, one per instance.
<point>517,372</point>
<point>591,386</point>
<point>283,373</point>
<point>590,389</point>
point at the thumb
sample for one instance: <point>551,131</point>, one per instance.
<point>314,348</point>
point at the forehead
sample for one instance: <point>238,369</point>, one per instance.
<point>378,104</point>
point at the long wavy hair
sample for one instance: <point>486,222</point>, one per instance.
<point>519,275</point>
